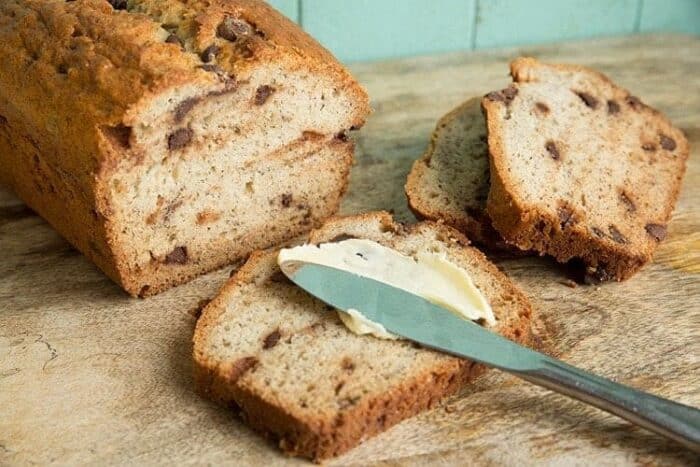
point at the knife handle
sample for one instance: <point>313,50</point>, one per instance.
<point>667,418</point>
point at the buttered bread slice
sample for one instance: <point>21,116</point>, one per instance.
<point>298,375</point>
<point>580,168</point>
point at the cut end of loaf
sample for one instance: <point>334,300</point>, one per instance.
<point>212,218</point>
<point>299,376</point>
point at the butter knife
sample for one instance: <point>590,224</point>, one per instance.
<point>419,320</point>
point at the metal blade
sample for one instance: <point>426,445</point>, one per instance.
<point>412,317</point>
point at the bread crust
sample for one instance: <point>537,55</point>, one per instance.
<point>329,435</point>
<point>527,226</point>
<point>77,76</point>
<point>322,441</point>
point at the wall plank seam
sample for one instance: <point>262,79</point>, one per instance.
<point>300,13</point>
<point>638,17</point>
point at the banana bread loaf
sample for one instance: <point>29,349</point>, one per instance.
<point>165,138</point>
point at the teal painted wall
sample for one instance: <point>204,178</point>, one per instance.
<point>670,15</point>
<point>507,22</point>
<point>371,29</point>
<point>358,30</point>
<point>288,7</point>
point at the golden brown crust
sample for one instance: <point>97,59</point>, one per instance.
<point>528,227</point>
<point>327,440</point>
<point>77,75</point>
<point>321,438</point>
<point>55,196</point>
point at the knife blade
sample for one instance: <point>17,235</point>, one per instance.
<point>433,326</point>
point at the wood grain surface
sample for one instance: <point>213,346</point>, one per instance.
<point>91,376</point>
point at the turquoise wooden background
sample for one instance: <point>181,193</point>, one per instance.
<point>374,29</point>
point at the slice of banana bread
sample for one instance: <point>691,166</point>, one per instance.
<point>450,182</point>
<point>296,374</point>
<point>580,168</point>
<point>165,138</point>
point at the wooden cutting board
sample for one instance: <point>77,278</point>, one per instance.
<point>89,375</point>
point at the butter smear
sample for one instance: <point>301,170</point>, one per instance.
<point>429,275</point>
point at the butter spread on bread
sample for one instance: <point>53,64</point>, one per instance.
<point>362,325</point>
<point>425,273</point>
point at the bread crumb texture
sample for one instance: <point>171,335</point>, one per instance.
<point>451,182</point>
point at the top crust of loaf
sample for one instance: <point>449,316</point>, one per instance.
<point>450,182</point>
<point>298,375</point>
<point>104,65</point>
<point>580,168</point>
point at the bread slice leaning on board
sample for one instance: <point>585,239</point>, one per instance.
<point>297,375</point>
<point>451,182</point>
<point>164,138</point>
<point>580,168</point>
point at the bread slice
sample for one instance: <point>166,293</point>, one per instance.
<point>450,183</point>
<point>165,138</point>
<point>580,168</point>
<point>296,374</point>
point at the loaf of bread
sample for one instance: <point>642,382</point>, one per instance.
<point>165,138</point>
<point>580,168</point>
<point>450,183</point>
<point>296,374</point>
